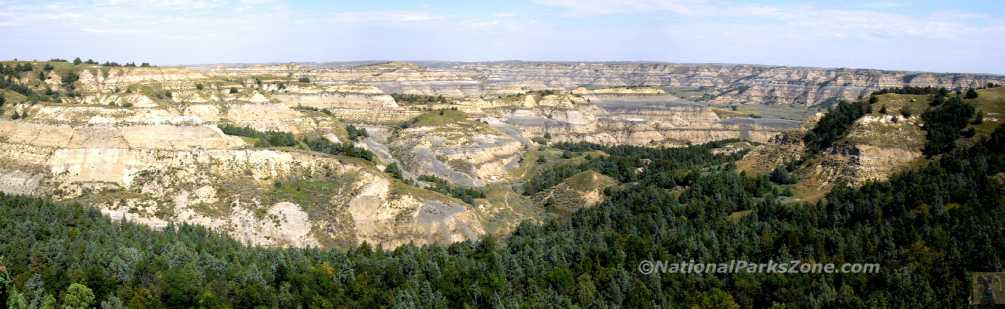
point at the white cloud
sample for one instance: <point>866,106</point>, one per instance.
<point>603,7</point>
<point>868,21</point>
<point>383,16</point>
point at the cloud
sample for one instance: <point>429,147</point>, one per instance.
<point>862,22</point>
<point>384,16</point>
<point>603,7</point>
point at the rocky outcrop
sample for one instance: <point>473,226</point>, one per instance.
<point>723,83</point>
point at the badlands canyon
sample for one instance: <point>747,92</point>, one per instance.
<point>447,147</point>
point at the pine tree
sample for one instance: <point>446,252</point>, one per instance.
<point>971,94</point>
<point>393,170</point>
<point>77,61</point>
<point>77,296</point>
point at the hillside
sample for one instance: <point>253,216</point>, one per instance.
<point>72,254</point>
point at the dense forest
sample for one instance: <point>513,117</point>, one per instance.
<point>834,125</point>
<point>928,228</point>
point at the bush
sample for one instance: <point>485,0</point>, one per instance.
<point>971,94</point>
<point>968,133</point>
<point>782,176</point>
<point>263,139</point>
<point>304,79</point>
<point>466,194</point>
<point>394,171</point>
<point>233,90</point>
<point>418,99</point>
<point>355,133</point>
<point>324,146</point>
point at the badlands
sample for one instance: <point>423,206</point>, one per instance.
<point>148,144</point>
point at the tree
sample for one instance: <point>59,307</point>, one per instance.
<point>882,110</point>
<point>968,132</point>
<point>971,94</point>
<point>233,90</point>
<point>112,302</point>
<point>78,296</point>
<point>393,170</point>
<point>905,111</point>
<point>938,100</point>
<point>49,302</point>
<point>873,99</point>
<point>77,61</point>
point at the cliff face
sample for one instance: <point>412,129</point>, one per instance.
<point>721,83</point>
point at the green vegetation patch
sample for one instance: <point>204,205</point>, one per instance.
<point>466,194</point>
<point>418,99</point>
<point>437,118</point>
<point>262,139</point>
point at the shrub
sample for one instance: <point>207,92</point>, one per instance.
<point>971,94</point>
<point>781,175</point>
<point>355,133</point>
<point>394,171</point>
<point>466,194</point>
<point>324,146</point>
<point>264,139</point>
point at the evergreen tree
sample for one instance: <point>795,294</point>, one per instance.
<point>78,296</point>
<point>971,94</point>
<point>393,170</point>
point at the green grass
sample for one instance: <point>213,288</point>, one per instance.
<point>589,181</point>
<point>992,103</point>
<point>311,194</point>
<point>507,209</point>
<point>690,93</point>
<point>400,188</point>
<point>790,112</point>
<point>438,118</point>
<point>895,103</point>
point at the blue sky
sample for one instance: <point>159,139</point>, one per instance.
<point>942,36</point>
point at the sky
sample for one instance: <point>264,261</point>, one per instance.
<point>919,35</point>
